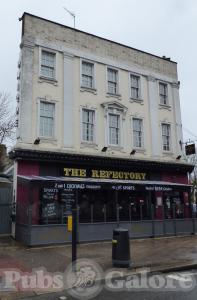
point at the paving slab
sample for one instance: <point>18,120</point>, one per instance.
<point>153,255</point>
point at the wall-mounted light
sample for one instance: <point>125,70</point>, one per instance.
<point>133,152</point>
<point>104,149</point>
<point>37,141</point>
<point>178,157</point>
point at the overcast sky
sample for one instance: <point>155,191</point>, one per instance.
<point>162,27</point>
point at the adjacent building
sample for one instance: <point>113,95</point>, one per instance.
<point>101,118</point>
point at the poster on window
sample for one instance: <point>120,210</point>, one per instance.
<point>68,201</point>
<point>159,201</point>
<point>49,204</point>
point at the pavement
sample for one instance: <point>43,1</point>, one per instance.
<point>154,255</point>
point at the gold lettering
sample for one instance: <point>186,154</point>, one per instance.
<point>132,175</point>
<point>75,172</point>
<point>115,175</point>
<point>82,173</point>
<point>68,172</point>
<point>95,174</point>
<point>102,174</point>
<point>126,175</point>
<point>138,176</point>
<point>110,173</point>
<point>72,172</point>
<point>120,175</point>
<point>106,174</point>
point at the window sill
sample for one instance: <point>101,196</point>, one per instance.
<point>90,90</point>
<point>168,153</point>
<point>48,140</point>
<point>118,96</point>
<point>116,148</point>
<point>139,150</point>
<point>88,145</point>
<point>140,101</point>
<point>163,106</point>
<point>47,79</point>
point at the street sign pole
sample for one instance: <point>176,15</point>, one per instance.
<point>74,229</point>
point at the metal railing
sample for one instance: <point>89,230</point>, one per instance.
<point>32,214</point>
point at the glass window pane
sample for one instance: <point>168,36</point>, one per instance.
<point>163,93</point>
<point>112,87</point>
<point>87,74</point>
<point>87,81</point>
<point>112,77</point>
<point>47,119</point>
<point>48,64</point>
<point>137,132</point>
<point>114,129</point>
<point>134,81</point>
<point>87,68</point>
<point>88,125</point>
<point>166,136</point>
<point>135,86</point>
<point>134,93</point>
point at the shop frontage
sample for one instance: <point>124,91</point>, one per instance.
<point>149,198</point>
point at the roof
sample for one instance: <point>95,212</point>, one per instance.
<point>90,34</point>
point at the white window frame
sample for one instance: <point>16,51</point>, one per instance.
<point>139,98</point>
<point>95,127</point>
<point>142,136</point>
<point>117,86</point>
<point>55,119</point>
<point>167,93</point>
<point>120,129</point>
<point>54,78</point>
<point>94,74</point>
<point>170,137</point>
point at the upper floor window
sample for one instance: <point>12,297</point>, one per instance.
<point>87,75</point>
<point>166,136</point>
<point>163,93</point>
<point>88,125</point>
<point>48,64</point>
<point>47,122</point>
<point>137,133</point>
<point>112,81</point>
<point>135,86</point>
<point>114,129</point>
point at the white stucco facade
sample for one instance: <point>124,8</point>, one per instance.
<point>65,91</point>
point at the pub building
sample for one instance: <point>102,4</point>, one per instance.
<point>134,191</point>
<point>98,128</point>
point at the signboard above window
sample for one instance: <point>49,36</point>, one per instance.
<point>190,149</point>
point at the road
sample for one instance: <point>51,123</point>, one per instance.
<point>172,286</point>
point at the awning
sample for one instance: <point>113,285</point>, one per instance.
<point>97,184</point>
